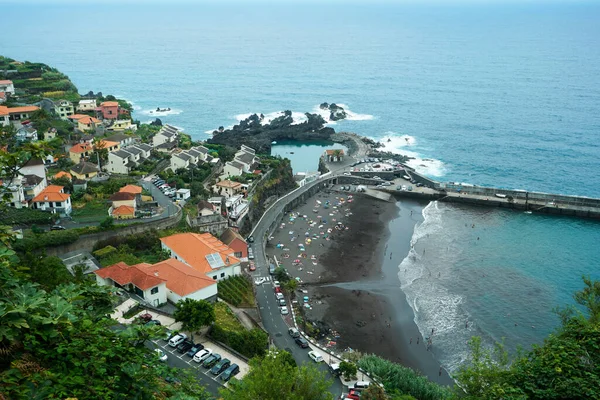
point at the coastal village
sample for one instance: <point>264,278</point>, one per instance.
<point>172,227</point>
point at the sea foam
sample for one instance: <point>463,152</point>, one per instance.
<point>154,113</point>
<point>402,144</point>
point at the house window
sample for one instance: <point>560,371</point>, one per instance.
<point>238,254</point>
<point>154,290</point>
<point>222,274</point>
<point>58,204</point>
<point>214,277</point>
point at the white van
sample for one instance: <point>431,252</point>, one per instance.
<point>361,385</point>
<point>177,339</point>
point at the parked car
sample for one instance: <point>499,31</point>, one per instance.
<point>212,360</point>
<point>316,357</point>
<point>284,311</point>
<point>278,295</point>
<point>153,322</point>
<point>294,332</point>
<point>277,290</point>
<point>347,173</point>
<point>202,355</point>
<point>185,346</point>
<point>162,356</point>
<point>300,341</point>
<point>159,182</point>
<point>376,177</point>
<point>177,339</point>
<point>220,366</point>
<point>282,302</point>
<point>229,372</point>
<point>57,228</point>
<point>335,369</point>
<point>251,266</point>
<point>250,239</point>
<point>196,348</point>
<point>145,317</point>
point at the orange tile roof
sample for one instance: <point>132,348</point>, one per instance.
<point>77,116</point>
<point>193,249</point>
<point>61,174</point>
<point>124,210</point>
<point>51,193</point>
<point>332,152</point>
<point>229,184</point>
<point>3,110</point>
<point>54,189</point>
<point>124,274</point>
<point>88,120</point>
<point>23,109</point>
<point>131,189</point>
<point>5,82</point>
<point>80,148</point>
<point>180,278</point>
<point>110,104</point>
<point>122,196</point>
<point>105,144</point>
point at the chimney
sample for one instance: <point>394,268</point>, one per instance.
<point>227,260</point>
<point>46,198</point>
<point>155,273</point>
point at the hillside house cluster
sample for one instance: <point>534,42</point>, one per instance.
<point>245,161</point>
<point>197,262</point>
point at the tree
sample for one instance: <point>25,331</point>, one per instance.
<point>194,314</point>
<point>49,272</point>
<point>373,392</point>
<point>348,370</point>
<point>273,378</point>
<point>281,274</point>
<point>107,223</point>
<point>290,286</point>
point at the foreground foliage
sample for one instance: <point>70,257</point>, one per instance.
<point>566,366</point>
<point>273,377</point>
<point>61,343</point>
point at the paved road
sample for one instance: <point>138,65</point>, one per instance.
<point>169,208</point>
<point>268,307</point>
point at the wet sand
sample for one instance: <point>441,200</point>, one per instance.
<point>353,284</point>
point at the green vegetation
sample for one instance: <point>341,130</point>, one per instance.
<point>398,379</point>
<point>146,131</point>
<point>131,249</point>
<point>273,378</point>
<point>237,290</point>
<point>94,210</point>
<point>280,182</point>
<point>33,81</point>
<point>227,329</point>
<point>46,239</point>
<point>348,370</point>
<point>566,366</point>
<point>25,216</point>
<point>224,153</point>
<point>194,314</point>
<point>61,343</point>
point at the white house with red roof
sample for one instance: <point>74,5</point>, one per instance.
<point>53,199</point>
<point>168,280</point>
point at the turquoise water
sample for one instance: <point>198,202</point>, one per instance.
<point>486,94</point>
<point>304,157</point>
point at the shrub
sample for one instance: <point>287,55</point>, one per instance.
<point>25,216</point>
<point>53,238</point>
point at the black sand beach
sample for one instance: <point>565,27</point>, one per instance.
<point>353,282</point>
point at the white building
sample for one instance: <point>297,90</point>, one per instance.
<point>183,194</point>
<point>170,280</point>
<point>7,87</point>
<point>237,207</point>
<point>180,160</point>
<point>87,105</point>
<point>167,134</point>
<point>204,253</point>
<point>232,168</point>
<point>54,199</point>
<point>119,162</point>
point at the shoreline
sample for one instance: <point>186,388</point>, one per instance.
<point>353,286</point>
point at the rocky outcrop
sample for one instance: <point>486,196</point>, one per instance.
<point>156,122</point>
<point>336,112</point>
<point>254,132</point>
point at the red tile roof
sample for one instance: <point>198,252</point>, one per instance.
<point>5,82</point>
<point>3,110</point>
<point>124,210</point>
<point>333,152</point>
<point>229,184</point>
<point>80,148</point>
<point>131,189</point>
<point>178,277</point>
<point>51,193</point>
<point>120,196</point>
<point>23,109</point>
<point>193,249</point>
<point>110,104</point>
<point>88,120</point>
<point>60,174</point>
<point>124,274</point>
<point>181,278</point>
<point>77,116</point>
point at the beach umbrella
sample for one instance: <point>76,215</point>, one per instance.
<point>306,299</point>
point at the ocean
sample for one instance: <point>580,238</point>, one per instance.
<point>499,95</point>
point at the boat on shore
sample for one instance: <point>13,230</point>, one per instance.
<point>158,109</point>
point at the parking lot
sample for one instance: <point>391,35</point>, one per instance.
<point>216,349</point>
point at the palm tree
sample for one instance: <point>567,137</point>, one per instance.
<point>337,153</point>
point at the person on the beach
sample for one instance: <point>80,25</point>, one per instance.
<point>440,371</point>
<point>410,340</point>
<point>417,340</point>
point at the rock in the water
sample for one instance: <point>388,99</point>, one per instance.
<point>336,115</point>
<point>324,106</point>
<point>156,122</point>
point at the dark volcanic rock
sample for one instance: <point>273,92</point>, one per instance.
<point>156,122</point>
<point>253,133</point>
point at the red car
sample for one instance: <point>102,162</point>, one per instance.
<point>252,267</point>
<point>277,289</point>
